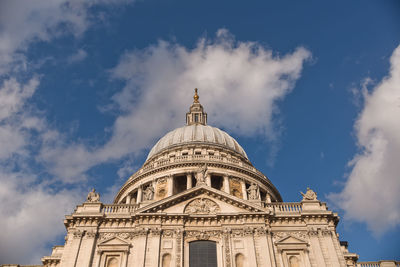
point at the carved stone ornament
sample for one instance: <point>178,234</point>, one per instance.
<point>93,196</point>
<point>202,206</point>
<point>202,235</point>
<point>280,235</point>
<point>201,175</point>
<point>252,192</point>
<point>148,193</point>
<point>309,195</point>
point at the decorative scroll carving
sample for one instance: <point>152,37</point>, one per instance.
<point>309,195</point>
<point>126,235</point>
<point>167,233</point>
<point>261,231</point>
<point>93,196</point>
<point>202,235</point>
<point>226,234</point>
<point>248,231</point>
<point>202,206</point>
<point>90,234</point>
<point>178,234</point>
<point>155,231</point>
<point>78,234</point>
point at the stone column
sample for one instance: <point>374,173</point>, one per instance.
<point>170,185</point>
<point>226,184</point>
<point>139,195</point>
<point>128,199</point>
<point>189,180</point>
<point>208,180</point>
<point>244,191</point>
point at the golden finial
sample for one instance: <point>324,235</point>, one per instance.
<point>196,96</point>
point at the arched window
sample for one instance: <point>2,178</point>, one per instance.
<point>112,262</point>
<point>239,260</point>
<point>294,261</point>
<point>166,260</point>
<point>203,254</point>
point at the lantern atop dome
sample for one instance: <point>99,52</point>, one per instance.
<point>196,114</point>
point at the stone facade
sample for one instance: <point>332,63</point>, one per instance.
<point>198,185</point>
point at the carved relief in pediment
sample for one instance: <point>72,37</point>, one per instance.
<point>202,206</point>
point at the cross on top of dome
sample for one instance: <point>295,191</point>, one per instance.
<point>196,114</point>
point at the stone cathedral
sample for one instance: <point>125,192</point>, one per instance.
<point>198,201</point>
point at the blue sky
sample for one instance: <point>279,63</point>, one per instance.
<point>310,89</point>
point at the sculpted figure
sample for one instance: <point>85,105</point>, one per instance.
<point>93,196</point>
<point>201,175</point>
<point>253,191</point>
<point>309,195</point>
<point>148,193</point>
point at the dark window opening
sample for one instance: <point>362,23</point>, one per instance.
<point>197,152</point>
<point>179,184</point>
<point>193,181</point>
<point>216,182</point>
<point>185,153</point>
<point>263,195</point>
<point>203,254</point>
<point>196,117</point>
<point>133,197</point>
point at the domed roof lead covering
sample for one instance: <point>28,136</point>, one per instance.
<point>197,133</point>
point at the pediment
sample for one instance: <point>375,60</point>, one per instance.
<point>291,240</point>
<point>201,200</point>
<point>114,241</point>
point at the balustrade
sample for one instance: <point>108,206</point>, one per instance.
<point>368,264</point>
<point>119,208</point>
<point>285,207</point>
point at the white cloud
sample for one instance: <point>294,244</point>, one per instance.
<point>371,193</point>
<point>32,215</point>
<point>77,57</point>
<point>24,22</point>
<point>31,209</point>
<point>240,84</point>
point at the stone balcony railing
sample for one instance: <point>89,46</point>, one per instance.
<point>279,208</point>
<point>378,264</point>
<point>193,158</point>
<point>285,207</point>
<point>119,208</point>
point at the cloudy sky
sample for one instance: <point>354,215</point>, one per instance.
<point>311,90</point>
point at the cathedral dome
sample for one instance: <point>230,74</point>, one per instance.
<point>197,134</point>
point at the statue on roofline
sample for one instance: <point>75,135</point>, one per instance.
<point>309,195</point>
<point>93,196</point>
